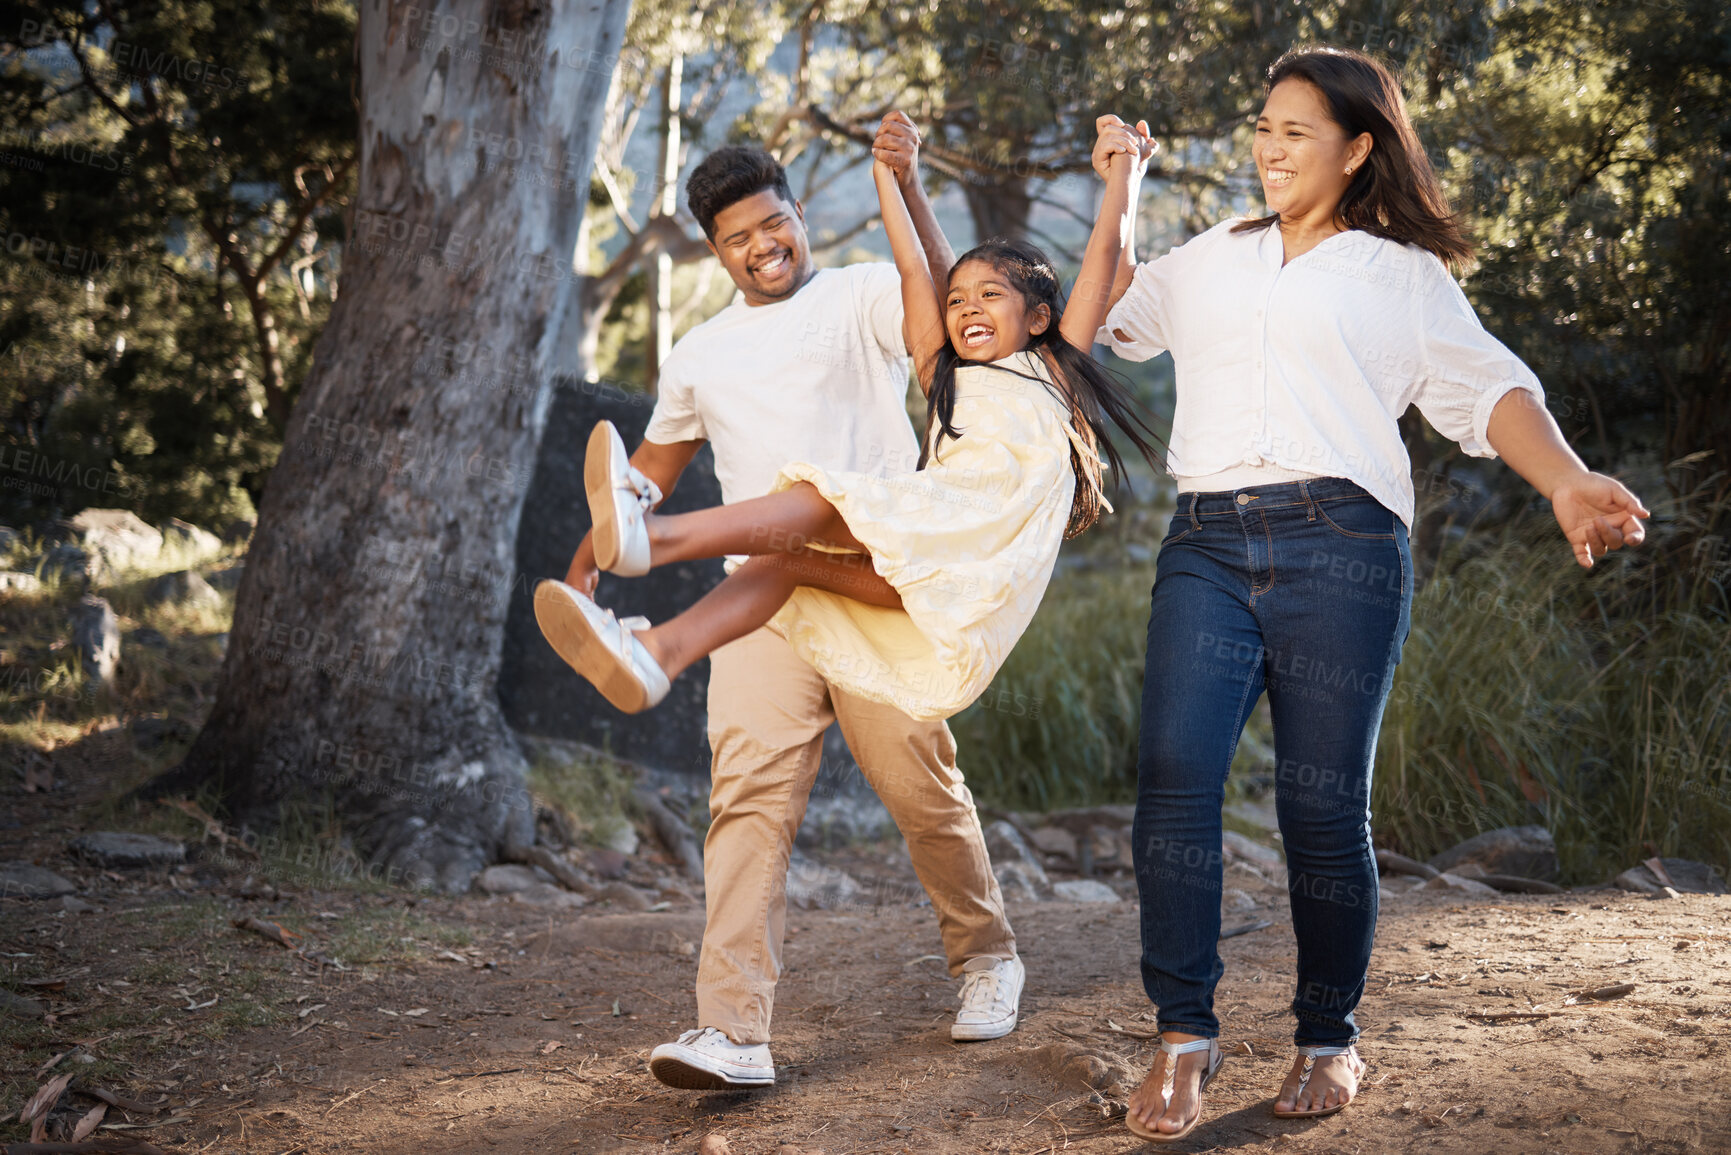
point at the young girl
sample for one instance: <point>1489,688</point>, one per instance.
<point>908,589</point>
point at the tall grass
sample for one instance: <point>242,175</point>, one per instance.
<point>1058,725</point>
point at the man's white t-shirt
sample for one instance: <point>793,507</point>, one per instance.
<point>821,377</point>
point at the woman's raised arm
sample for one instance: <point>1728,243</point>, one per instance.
<point>1121,156</point>
<point>922,312</point>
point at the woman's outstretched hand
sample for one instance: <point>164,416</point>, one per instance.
<point>897,146</point>
<point>1118,138</point>
<point>1598,514</point>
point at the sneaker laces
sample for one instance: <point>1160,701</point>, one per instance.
<point>980,990</point>
<point>648,493</point>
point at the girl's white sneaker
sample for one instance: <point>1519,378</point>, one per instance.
<point>619,497</point>
<point>601,647</point>
<point>707,1060</point>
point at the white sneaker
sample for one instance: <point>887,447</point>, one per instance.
<point>707,1060</point>
<point>991,999</point>
<point>601,647</point>
<point>619,496</point>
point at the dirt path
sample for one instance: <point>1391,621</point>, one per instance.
<point>485,1025</point>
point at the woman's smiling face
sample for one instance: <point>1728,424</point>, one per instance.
<point>986,316</point>
<point>1302,155</point>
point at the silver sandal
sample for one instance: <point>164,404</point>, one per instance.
<point>1172,1050</point>
<point>1311,1054</point>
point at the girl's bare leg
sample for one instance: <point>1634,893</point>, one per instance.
<point>752,594</point>
<point>782,522</point>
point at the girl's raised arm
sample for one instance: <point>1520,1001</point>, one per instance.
<point>1121,156</point>
<point>922,312</point>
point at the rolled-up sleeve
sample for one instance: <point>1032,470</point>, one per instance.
<point>1467,371</point>
<point>1135,329</point>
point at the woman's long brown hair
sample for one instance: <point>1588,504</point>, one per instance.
<point>1396,194</point>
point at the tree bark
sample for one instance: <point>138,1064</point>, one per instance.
<point>363,660</point>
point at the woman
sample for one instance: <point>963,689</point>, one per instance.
<point>1299,339</point>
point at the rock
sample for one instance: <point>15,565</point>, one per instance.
<point>24,583</point>
<point>1511,884</point>
<point>96,638</point>
<point>608,863</point>
<point>1454,882</point>
<point>1019,882</point>
<point>116,539</point>
<point>68,563</point>
<point>619,835</point>
<point>27,880</point>
<point>1014,864</point>
<point>147,636</point>
<point>1682,874</point>
<point>190,540</point>
<point>226,579</point>
<point>625,896</point>
<point>1055,840</point>
<point>548,894</point>
<point>812,886</point>
<point>72,904</point>
<point>1104,847</point>
<point>714,1145</point>
<point>1235,845</point>
<point>1235,899</point>
<point>22,1007</point>
<point>508,878</point>
<point>1522,851</point>
<point>123,848</point>
<point>1005,843</point>
<point>1084,890</point>
<point>181,588</point>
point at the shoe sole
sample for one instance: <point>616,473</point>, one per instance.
<point>566,628</point>
<point>598,485</point>
<point>686,1077</point>
<point>980,1034</point>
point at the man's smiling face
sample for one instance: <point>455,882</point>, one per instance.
<point>761,242</point>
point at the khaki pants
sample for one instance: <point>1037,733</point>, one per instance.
<point>768,710</point>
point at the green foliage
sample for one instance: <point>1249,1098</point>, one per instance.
<point>170,172</point>
<point>1598,705</point>
<point>1058,725</point>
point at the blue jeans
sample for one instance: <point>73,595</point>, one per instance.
<point>1302,590</point>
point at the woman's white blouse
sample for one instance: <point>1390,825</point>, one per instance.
<point>1307,367</point>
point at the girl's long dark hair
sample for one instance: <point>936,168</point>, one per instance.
<point>1396,194</point>
<point>1093,394</point>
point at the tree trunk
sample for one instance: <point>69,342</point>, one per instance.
<point>363,661</point>
<point>999,208</point>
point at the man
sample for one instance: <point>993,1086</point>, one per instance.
<point>804,365</point>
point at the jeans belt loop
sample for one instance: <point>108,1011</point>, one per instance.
<point>1195,522</point>
<point>1309,501</point>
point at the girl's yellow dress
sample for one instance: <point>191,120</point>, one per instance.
<point>968,542</point>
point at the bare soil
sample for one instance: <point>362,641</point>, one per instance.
<point>482,1024</point>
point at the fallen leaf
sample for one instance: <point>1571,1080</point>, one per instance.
<point>88,1124</point>
<point>45,1097</point>
<point>551,1046</point>
<point>416,1013</point>
<point>268,929</point>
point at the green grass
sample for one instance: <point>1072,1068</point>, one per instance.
<point>1595,703</point>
